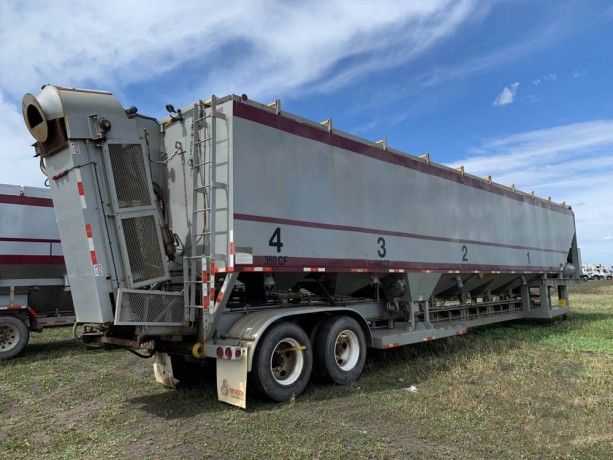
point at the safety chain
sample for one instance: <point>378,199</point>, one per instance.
<point>164,157</point>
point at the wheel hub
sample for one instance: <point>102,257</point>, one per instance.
<point>9,337</point>
<point>286,362</point>
<point>347,350</point>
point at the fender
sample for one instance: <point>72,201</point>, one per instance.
<point>251,327</point>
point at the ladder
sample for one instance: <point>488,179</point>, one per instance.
<point>199,268</point>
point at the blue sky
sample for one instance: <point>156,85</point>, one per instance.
<point>520,90</point>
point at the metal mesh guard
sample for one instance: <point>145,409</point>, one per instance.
<point>149,308</point>
<point>129,175</point>
<point>146,261</point>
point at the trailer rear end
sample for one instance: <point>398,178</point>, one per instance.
<point>34,289</point>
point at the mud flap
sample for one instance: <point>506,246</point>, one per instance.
<point>162,368</point>
<point>232,380</point>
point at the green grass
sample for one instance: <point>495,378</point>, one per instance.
<point>531,389</point>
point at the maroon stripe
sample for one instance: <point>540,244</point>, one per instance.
<point>26,200</point>
<point>374,231</point>
<point>31,260</point>
<point>344,265</point>
<point>29,240</point>
<point>264,117</point>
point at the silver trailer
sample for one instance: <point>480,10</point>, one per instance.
<point>34,290</point>
<point>278,246</point>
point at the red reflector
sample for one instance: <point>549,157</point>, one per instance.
<point>244,97</point>
<point>228,353</point>
<point>237,353</point>
<point>219,352</point>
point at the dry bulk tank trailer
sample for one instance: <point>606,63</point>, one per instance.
<point>278,246</point>
<point>34,289</point>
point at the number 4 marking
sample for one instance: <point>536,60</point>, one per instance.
<point>275,239</point>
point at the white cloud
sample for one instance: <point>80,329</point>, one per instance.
<point>578,73</point>
<point>20,167</point>
<point>570,163</point>
<point>186,51</point>
<point>507,95</point>
<point>551,78</point>
<point>260,47</point>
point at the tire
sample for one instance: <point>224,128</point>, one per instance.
<point>282,362</point>
<point>14,336</point>
<point>340,350</point>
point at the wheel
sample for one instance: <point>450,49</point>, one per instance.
<point>14,336</point>
<point>282,362</point>
<point>340,350</point>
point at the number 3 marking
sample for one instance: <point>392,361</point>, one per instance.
<point>382,251</point>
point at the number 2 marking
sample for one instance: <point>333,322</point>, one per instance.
<point>464,254</point>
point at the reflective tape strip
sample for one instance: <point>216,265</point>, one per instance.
<point>231,252</point>
<point>359,270</point>
<point>314,269</point>
<point>205,287</point>
<point>81,189</point>
<point>90,242</point>
<point>258,269</point>
<point>396,270</point>
<point>220,296</point>
<point>213,270</point>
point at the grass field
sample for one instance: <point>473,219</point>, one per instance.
<point>516,390</point>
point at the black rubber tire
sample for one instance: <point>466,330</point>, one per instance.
<point>328,368</point>
<point>269,374</point>
<point>14,336</point>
